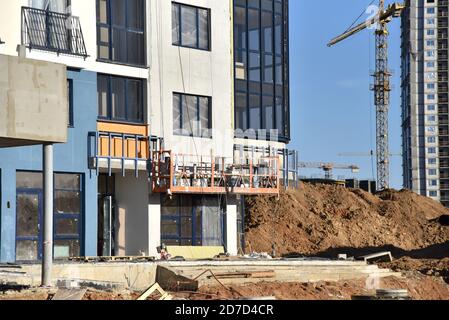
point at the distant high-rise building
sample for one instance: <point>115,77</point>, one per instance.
<point>425,119</point>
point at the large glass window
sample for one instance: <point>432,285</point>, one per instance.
<point>70,103</point>
<point>67,215</point>
<point>59,6</point>
<point>120,99</point>
<point>192,221</point>
<point>261,67</point>
<point>121,31</point>
<point>68,208</point>
<point>192,115</point>
<point>190,26</point>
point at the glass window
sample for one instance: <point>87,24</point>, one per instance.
<point>261,67</point>
<point>192,115</point>
<point>68,208</point>
<point>121,31</point>
<point>70,102</point>
<point>191,221</point>
<point>120,99</point>
<point>59,6</point>
<point>190,26</point>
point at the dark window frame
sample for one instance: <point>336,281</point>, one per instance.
<point>110,26</point>
<point>178,41</point>
<point>256,88</point>
<point>57,216</point>
<point>71,123</point>
<point>109,117</point>
<point>178,218</point>
<point>198,116</point>
<point>73,215</point>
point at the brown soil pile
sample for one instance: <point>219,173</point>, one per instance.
<point>419,287</point>
<point>326,220</point>
<point>436,268</point>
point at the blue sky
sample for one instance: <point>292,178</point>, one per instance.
<point>332,106</point>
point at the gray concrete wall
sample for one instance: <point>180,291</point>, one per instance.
<point>33,101</point>
<point>132,231</point>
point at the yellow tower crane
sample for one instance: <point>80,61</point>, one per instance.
<point>382,86</point>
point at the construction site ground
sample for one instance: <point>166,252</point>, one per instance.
<point>419,286</point>
<point>324,221</point>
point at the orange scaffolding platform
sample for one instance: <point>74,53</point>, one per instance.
<point>191,174</point>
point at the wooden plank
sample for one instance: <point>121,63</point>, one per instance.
<point>155,287</point>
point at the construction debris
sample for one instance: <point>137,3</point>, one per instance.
<point>256,256</point>
<point>69,294</point>
<point>378,257</point>
<point>155,288</point>
<point>231,275</point>
<point>385,294</point>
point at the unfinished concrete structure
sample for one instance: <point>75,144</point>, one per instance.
<point>33,102</point>
<point>177,110</point>
<point>425,98</point>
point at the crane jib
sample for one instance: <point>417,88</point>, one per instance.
<point>393,11</point>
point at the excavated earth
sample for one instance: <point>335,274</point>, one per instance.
<point>324,221</point>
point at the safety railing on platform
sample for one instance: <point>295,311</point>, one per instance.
<point>289,160</point>
<point>177,173</point>
<point>52,31</point>
<point>122,147</point>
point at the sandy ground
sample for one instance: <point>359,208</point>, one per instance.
<point>328,220</point>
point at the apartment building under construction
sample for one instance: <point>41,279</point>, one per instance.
<point>176,111</point>
<point>425,109</point>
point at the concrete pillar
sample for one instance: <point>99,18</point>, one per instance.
<point>47,245</point>
<point>154,223</point>
<point>231,227</point>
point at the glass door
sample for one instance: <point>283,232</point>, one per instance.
<point>29,222</point>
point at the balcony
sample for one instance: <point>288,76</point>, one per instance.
<point>119,148</point>
<point>51,31</point>
<point>181,174</point>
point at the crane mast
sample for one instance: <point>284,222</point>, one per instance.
<point>382,89</point>
<point>381,86</point>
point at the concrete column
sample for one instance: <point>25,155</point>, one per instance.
<point>47,259</point>
<point>154,224</point>
<point>231,227</point>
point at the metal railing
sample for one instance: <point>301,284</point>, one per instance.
<point>119,146</point>
<point>52,31</point>
<point>192,174</point>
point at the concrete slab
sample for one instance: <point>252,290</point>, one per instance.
<point>139,276</point>
<point>69,294</point>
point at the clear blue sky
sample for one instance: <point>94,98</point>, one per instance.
<point>332,106</point>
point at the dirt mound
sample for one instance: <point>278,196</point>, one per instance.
<point>326,220</point>
<point>419,287</point>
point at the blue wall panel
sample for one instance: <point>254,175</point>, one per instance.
<point>70,157</point>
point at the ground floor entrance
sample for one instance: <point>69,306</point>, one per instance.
<point>106,216</point>
<point>68,208</point>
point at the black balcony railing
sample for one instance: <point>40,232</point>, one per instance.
<point>52,31</point>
